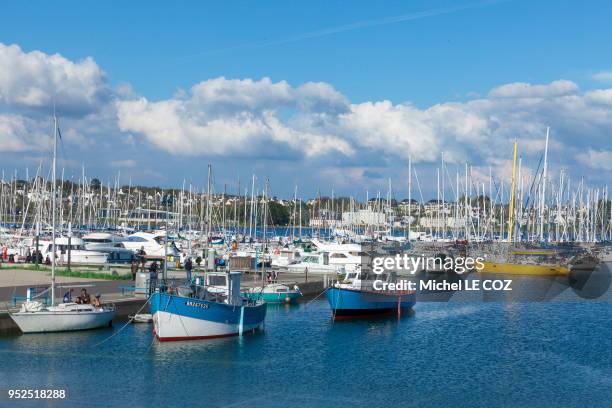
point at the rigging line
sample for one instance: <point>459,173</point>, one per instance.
<point>533,182</point>
<point>315,298</point>
<point>150,344</point>
<point>124,326</point>
<point>306,304</point>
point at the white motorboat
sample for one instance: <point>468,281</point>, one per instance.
<point>151,243</point>
<point>97,240</point>
<point>315,262</point>
<point>283,257</point>
<point>78,253</point>
<point>343,256</point>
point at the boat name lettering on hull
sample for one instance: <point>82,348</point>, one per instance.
<point>196,304</point>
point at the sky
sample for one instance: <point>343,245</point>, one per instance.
<point>321,94</point>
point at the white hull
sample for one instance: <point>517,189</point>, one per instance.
<point>142,318</point>
<point>170,326</point>
<point>86,257</point>
<point>46,321</point>
<point>283,262</point>
<point>315,269</point>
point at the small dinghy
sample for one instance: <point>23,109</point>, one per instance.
<point>141,318</point>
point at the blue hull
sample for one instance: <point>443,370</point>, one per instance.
<point>186,318</point>
<point>353,303</point>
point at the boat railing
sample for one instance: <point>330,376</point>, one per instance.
<point>38,293</point>
<point>107,307</point>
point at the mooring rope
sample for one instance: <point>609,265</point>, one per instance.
<point>130,320</point>
<point>315,298</point>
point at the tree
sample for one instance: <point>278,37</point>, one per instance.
<point>279,214</point>
<point>95,184</point>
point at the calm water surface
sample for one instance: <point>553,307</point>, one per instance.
<point>446,354</point>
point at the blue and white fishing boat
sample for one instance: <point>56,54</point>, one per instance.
<point>214,309</point>
<point>354,298</point>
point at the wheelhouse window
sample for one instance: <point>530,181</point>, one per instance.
<point>216,280</point>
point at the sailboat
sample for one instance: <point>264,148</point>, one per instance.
<point>514,260</point>
<point>35,317</point>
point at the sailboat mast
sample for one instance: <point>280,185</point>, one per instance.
<point>409,194</point>
<point>543,198</point>
<point>53,204</point>
<point>511,204</point>
<point>208,206</point>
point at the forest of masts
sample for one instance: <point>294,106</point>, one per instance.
<point>545,208</point>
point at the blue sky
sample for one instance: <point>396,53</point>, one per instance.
<point>459,53</point>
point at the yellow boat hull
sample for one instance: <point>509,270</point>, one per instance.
<point>524,269</point>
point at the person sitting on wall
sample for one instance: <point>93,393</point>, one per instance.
<point>47,260</point>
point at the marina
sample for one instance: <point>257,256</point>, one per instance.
<point>311,204</point>
<point>203,272</point>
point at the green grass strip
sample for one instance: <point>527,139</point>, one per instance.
<point>71,273</point>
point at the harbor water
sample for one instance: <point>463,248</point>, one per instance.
<point>478,354</point>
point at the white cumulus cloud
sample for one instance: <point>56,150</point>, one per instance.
<point>266,119</point>
<point>262,118</point>
<point>35,80</point>
<point>20,134</point>
<point>596,159</point>
<point>236,117</point>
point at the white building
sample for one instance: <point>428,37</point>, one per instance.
<point>364,217</point>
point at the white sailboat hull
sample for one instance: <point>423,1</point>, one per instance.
<point>48,321</point>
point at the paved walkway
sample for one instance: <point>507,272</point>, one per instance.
<point>19,277</point>
<point>14,282</point>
